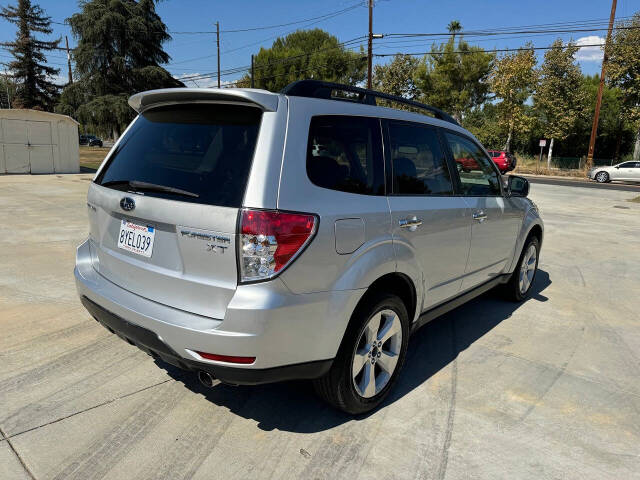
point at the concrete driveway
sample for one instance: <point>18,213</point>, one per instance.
<point>546,389</point>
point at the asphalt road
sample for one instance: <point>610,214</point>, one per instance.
<point>620,186</point>
<point>546,389</point>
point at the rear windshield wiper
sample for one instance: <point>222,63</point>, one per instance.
<point>150,187</point>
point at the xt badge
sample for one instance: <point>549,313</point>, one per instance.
<point>211,247</point>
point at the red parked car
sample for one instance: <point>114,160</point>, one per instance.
<point>504,160</point>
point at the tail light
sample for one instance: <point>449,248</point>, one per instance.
<point>270,240</point>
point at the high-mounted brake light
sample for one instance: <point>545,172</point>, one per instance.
<point>270,240</point>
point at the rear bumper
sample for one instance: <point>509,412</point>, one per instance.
<point>290,335</point>
<point>151,343</point>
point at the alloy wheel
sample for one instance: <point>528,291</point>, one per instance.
<point>528,269</point>
<point>376,354</point>
<point>601,177</point>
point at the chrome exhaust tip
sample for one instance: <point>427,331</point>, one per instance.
<point>206,379</point>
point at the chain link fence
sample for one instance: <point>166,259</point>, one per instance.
<point>576,163</point>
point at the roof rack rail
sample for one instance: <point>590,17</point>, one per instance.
<point>320,89</point>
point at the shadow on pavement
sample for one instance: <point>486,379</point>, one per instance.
<point>292,406</point>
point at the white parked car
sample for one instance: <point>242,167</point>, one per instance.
<point>625,171</point>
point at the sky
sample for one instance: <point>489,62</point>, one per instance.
<point>193,54</point>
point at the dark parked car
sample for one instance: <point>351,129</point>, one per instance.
<point>90,140</point>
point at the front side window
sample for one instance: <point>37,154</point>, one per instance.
<point>630,165</point>
<point>345,154</point>
<point>418,162</point>
<point>478,177</point>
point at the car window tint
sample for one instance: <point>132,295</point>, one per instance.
<point>345,153</point>
<point>418,162</point>
<point>628,165</point>
<point>204,149</point>
<point>478,177</point>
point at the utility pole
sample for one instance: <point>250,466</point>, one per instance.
<point>66,40</point>
<point>218,46</point>
<point>252,71</point>
<point>594,127</point>
<point>370,44</point>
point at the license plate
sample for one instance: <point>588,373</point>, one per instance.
<point>136,238</point>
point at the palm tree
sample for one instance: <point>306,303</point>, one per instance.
<point>454,27</point>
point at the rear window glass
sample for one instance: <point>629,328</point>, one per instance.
<point>345,153</point>
<point>201,153</point>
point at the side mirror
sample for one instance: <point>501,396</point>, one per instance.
<point>517,186</point>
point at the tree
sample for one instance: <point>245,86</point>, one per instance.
<point>513,80</point>
<point>615,134</point>
<point>454,77</point>
<point>559,97</point>
<point>454,27</point>
<point>306,54</point>
<point>33,77</point>
<point>7,90</point>
<point>119,53</point>
<point>397,77</point>
<point>623,71</point>
<point>483,123</point>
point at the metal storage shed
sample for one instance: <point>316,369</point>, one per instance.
<point>32,141</point>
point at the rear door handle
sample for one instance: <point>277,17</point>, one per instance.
<point>480,216</point>
<point>410,223</point>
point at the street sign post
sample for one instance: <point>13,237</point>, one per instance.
<point>543,144</point>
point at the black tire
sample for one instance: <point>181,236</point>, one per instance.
<point>602,177</point>
<point>511,289</point>
<point>337,386</point>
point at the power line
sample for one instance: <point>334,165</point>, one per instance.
<point>242,47</point>
<point>261,66</point>
<point>503,29</point>
<point>270,27</point>
<point>495,50</point>
<point>354,60</point>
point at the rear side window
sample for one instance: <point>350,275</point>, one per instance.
<point>418,161</point>
<point>204,150</point>
<point>345,153</point>
<point>478,176</point>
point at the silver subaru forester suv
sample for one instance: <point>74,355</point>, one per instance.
<point>255,237</point>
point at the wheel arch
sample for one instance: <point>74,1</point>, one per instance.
<point>395,283</point>
<point>531,225</point>
<point>535,230</point>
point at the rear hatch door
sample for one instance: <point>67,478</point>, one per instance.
<point>164,206</point>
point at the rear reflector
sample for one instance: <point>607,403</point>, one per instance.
<point>270,240</point>
<point>227,358</point>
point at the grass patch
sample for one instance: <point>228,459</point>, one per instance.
<point>530,164</point>
<point>91,157</point>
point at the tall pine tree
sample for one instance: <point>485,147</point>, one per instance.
<point>33,77</point>
<point>455,77</point>
<point>119,53</point>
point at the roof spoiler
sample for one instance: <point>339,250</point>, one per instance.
<point>266,101</point>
